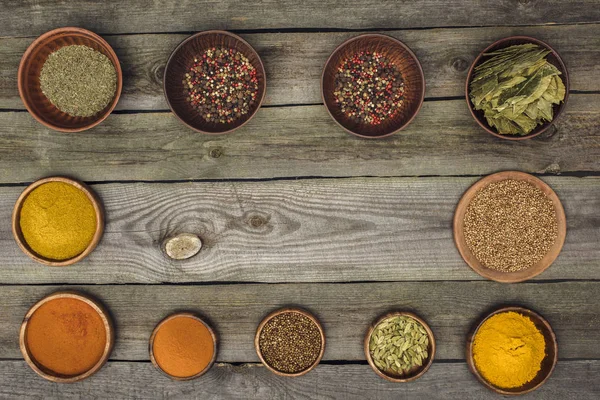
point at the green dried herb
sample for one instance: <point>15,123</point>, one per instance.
<point>78,80</point>
<point>516,88</point>
<point>399,344</point>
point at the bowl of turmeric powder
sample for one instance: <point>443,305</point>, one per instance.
<point>57,221</point>
<point>512,351</point>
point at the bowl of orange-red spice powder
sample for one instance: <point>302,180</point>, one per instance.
<point>183,346</point>
<point>66,337</point>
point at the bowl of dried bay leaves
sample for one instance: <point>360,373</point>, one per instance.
<point>517,87</point>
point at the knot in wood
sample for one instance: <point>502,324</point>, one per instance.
<point>256,221</point>
<point>182,246</point>
<point>216,152</point>
<point>459,64</point>
<point>158,73</point>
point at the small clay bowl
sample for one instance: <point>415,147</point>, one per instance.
<point>501,276</point>
<point>51,375</point>
<point>553,58</point>
<point>283,311</point>
<point>18,234</point>
<point>187,315</point>
<point>548,363</point>
<point>179,64</point>
<point>32,62</point>
<point>416,372</point>
<point>404,59</point>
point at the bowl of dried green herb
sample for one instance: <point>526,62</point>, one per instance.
<point>214,82</point>
<point>70,79</point>
<point>517,87</point>
<point>399,346</point>
<point>373,85</point>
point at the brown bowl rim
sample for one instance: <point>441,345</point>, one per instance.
<point>397,42</point>
<point>214,32</point>
<point>183,315</point>
<point>18,235</point>
<point>284,311</point>
<point>516,276</point>
<point>424,368</point>
<point>564,72</point>
<point>108,326</point>
<point>523,311</point>
<point>70,30</point>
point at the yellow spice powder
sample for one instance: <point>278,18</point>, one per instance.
<point>58,221</point>
<point>509,350</point>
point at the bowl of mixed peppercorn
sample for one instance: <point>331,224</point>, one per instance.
<point>214,82</point>
<point>373,85</point>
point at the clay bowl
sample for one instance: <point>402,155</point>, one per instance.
<point>548,363</point>
<point>283,311</point>
<point>51,375</point>
<point>416,372</point>
<point>553,58</point>
<point>29,78</point>
<point>182,59</point>
<point>402,57</point>
<point>18,234</point>
<point>197,318</point>
<point>500,276</point>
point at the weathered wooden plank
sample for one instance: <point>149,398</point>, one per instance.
<point>363,229</point>
<point>346,310</point>
<point>294,141</point>
<point>570,380</point>
<point>27,18</point>
<point>294,61</point>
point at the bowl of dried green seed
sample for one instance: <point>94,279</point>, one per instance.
<point>214,82</point>
<point>290,342</point>
<point>517,87</point>
<point>70,79</point>
<point>400,346</point>
<point>509,226</point>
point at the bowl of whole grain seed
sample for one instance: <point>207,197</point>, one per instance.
<point>214,82</point>
<point>373,85</point>
<point>290,342</point>
<point>399,346</point>
<point>70,79</point>
<point>509,226</point>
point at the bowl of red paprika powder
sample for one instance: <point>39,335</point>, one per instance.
<point>373,85</point>
<point>214,82</point>
<point>66,337</point>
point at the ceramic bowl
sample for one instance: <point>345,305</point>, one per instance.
<point>404,59</point>
<point>31,65</point>
<point>553,58</point>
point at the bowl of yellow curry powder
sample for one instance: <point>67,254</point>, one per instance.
<point>512,351</point>
<point>57,221</point>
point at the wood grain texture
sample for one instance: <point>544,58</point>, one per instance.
<point>362,229</point>
<point>294,61</point>
<point>571,380</point>
<point>33,18</point>
<point>345,311</point>
<point>294,141</point>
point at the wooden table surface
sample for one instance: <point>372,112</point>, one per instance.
<point>294,211</point>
